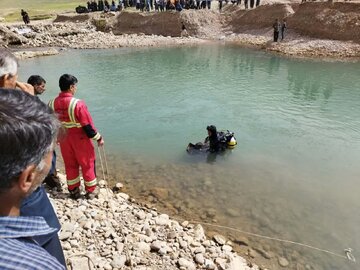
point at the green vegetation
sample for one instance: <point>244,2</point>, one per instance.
<point>37,9</point>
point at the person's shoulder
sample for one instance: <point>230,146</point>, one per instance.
<point>26,255</point>
<point>80,102</point>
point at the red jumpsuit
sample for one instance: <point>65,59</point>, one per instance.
<point>76,147</point>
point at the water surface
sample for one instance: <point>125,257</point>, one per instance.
<point>294,174</point>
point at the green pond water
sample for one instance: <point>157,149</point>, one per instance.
<point>295,172</point>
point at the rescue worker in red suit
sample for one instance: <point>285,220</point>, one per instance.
<point>76,146</point>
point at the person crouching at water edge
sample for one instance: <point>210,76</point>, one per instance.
<point>76,146</point>
<point>28,131</point>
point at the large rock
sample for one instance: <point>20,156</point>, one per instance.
<point>199,233</point>
<point>31,54</point>
<point>118,261</point>
<point>182,262</point>
<point>160,193</point>
<point>237,263</point>
<point>283,262</point>
<point>80,263</point>
<point>10,38</point>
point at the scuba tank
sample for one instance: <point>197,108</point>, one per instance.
<point>227,139</point>
<point>232,143</point>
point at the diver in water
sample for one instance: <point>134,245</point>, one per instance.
<point>212,139</point>
<point>211,143</point>
<point>216,142</point>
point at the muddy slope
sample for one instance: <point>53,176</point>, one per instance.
<point>200,23</point>
<point>339,21</point>
<point>165,24</point>
<point>261,17</point>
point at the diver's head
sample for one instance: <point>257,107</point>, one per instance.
<point>211,130</point>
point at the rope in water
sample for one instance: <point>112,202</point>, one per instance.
<point>348,252</point>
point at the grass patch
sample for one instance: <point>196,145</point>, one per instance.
<point>10,9</point>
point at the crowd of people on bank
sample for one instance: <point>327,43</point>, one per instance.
<point>29,131</point>
<point>103,6</point>
<point>161,5</point>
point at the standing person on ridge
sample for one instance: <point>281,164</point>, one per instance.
<point>25,16</point>
<point>283,29</point>
<point>276,27</point>
<point>76,147</point>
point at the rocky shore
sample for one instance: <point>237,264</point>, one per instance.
<point>297,46</point>
<point>113,231</point>
<point>85,36</point>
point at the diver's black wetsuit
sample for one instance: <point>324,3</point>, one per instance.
<point>214,145</point>
<point>212,139</point>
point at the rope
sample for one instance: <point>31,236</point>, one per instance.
<point>101,163</point>
<point>106,164</point>
<point>348,251</point>
<point>110,204</point>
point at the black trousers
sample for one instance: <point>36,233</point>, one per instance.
<point>276,36</point>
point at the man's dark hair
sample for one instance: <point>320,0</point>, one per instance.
<point>35,80</point>
<point>66,81</point>
<point>28,128</point>
<point>212,129</point>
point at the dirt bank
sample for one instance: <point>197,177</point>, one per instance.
<point>261,17</point>
<point>314,29</point>
<point>199,23</point>
<point>339,21</point>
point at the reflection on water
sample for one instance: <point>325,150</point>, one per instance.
<point>295,171</point>
<point>309,83</point>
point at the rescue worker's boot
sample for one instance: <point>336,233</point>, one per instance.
<point>92,195</point>
<point>75,193</point>
<point>52,181</point>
